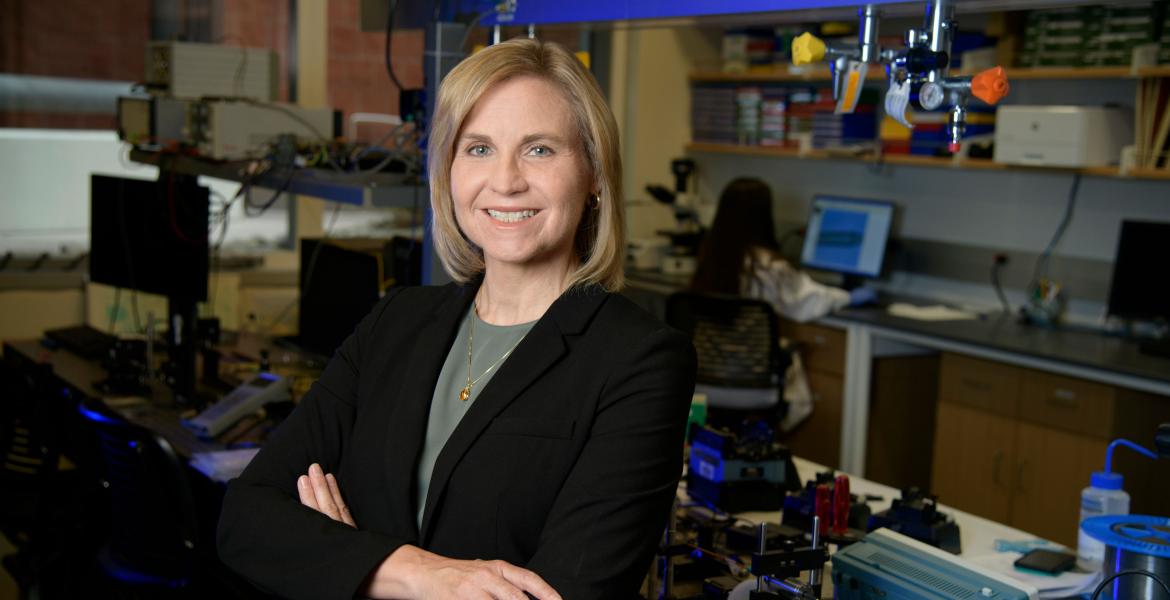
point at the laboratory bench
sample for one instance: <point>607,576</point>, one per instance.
<point>997,418</point>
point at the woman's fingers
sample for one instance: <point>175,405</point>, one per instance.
<point>335,492</point>
<point>305,491</point>
<point>526,580</point>
<point>321,491</point>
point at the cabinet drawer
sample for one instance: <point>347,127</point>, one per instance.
<point>823,347</point>
<point>982,384</point>
<point>1067,403</point>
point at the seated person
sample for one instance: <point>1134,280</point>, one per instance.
<point>516,433</point>
<point>740,257</point>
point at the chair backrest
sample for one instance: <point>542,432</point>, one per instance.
<point>737,339</point>
<point>29,440</point>
<point>153,521</point>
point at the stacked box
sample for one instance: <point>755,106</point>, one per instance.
<point>1102,35</point>
<point>802,109</point>
<point>748,50</point>
<point>1057,37</point>
<point>747,115</point>
<point>1164,40</point>
<point>713,113</point>
<point>774,117</point>
<point>1121,29</point>
<point>831,130</point>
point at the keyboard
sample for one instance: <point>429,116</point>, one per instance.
<point>83,340</point>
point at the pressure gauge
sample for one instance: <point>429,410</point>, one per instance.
<point>931,96</point>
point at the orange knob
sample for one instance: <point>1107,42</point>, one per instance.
<point>991,85</point>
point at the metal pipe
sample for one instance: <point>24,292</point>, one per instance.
<point>814,576</point>
<point>497,31</point>
<point>531,31</point>
<point>33,93</point>
<point>939,22</point>
<point>761,547</point>
<point>867,38</point>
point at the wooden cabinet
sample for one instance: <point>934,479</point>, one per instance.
<point>972,460</point>
<point>822,350</point>
<point>1017,446</point>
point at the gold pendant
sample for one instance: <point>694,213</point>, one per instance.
<point>465,393</point>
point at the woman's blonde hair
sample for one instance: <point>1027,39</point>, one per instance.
<point>600,238</point>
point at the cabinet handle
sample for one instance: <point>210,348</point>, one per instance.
<point>1021,468</point>
<point>1063,398</point>
<point>976,384</point>
<point>996,467</point>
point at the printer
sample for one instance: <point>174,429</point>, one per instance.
<point>1061,136</point>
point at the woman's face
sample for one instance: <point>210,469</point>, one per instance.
<point>519,176</point>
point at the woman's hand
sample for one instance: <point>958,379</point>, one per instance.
<point>411,572</point>
<point>319,492</point>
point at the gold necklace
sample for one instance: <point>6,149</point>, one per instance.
<point>465,393</point>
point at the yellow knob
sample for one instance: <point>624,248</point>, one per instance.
<point>807,48</point>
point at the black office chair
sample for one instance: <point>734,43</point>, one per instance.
<point>151,550</point>
<point>741,364</point>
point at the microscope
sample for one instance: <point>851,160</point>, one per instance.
<point>688,232</point>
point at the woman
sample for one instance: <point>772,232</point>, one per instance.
<point>740,256</point>
<point>555,479</point>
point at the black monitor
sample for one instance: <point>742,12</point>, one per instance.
<point>149,236</point>
<point>1140,289</point>
<point>847,235</point>
<point>338,287</point>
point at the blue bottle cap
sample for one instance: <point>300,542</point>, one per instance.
<point>1106,480</point>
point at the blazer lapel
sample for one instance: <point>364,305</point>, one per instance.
<point>408,426</point>
<point>541,349</point>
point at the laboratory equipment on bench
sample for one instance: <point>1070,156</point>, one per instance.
<point>737,472</point>
<point>920,69</point>
<point>777,572</point>
<point>889,564</point>
<point>1139,546</point>
<point>916,515</point>
<point>687,234</point>
<point>264,388</point>
<point>1104,496</point>
<point>843,516</point>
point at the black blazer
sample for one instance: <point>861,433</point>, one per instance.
<point>566,464</point>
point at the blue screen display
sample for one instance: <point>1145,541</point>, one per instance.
<point>847,235</point>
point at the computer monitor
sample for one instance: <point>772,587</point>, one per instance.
<point>150,236</point>
<point>338,287</point>
<point>1140,290</point>
<point>847,235</point>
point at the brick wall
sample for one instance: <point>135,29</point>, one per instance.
<point>72,38</point>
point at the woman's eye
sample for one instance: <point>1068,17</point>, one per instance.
<point>478,150</point>
<point>540,151</point>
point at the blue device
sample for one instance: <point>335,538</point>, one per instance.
<point>847,235</point>
<point>886,564</point>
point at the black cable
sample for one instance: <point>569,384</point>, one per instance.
<point>390,10</point>
<point>996,266</point>
<point>1105,582</point>
<point>1042,261</point>
<point>262,208</point>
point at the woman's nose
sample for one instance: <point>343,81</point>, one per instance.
<point>508,177</point>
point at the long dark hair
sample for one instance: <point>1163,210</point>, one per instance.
<point>743,221</point>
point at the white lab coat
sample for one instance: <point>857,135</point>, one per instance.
<point>794,295</point>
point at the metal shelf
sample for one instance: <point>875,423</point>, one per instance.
<point>373,189</point>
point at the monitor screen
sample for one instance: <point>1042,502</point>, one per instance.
<point>1140,288</point>
<point>342,286</point>
<point>847,235</point>
<point>149,236</point>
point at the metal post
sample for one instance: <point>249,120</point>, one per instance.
<point>814,576</point>
<point>531,31</point>
<point>496,33</point>
<point>868,34</point>
<point>761,547</point>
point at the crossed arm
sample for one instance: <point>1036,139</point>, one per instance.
<point>411,572</point>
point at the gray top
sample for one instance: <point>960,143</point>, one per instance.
<point>490,344</point>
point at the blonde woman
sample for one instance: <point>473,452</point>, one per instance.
<point>515,433</point>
